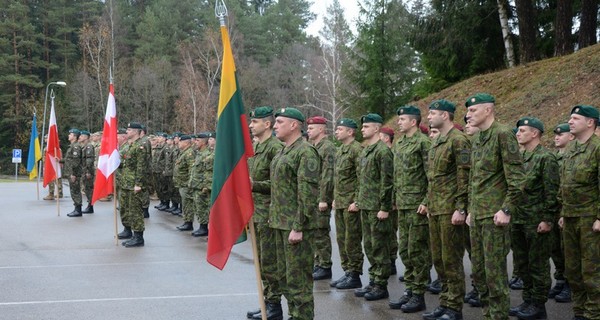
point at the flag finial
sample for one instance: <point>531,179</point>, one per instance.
<point>221,11</point>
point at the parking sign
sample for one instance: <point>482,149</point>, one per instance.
<point>16,156</point>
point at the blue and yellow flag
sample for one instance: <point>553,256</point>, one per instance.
<point>35,153</point>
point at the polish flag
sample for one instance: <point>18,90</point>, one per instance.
<point>53,153</point>
<point>109,158</point>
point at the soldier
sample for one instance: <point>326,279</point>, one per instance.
<point>374,202</point>
<point>533,220</point>
<point>145,140</point>
<point>580,218</point>
<point>387,136</point>
<point>495,188</point>
<point>295,176</point>
<point>410,182</point>
<point>175,196</point>
<point>561,292</point>
<point>316,130</point>
<point>73,169</point>
<point>158,165</point>
<point>88,168</point>
<point>265,149</point>
<point>54,183</point>
<point>347,224</point>
<point>181,175</point>
<point>203,198</point>
<point>434,133</point>
<point>448,178</point>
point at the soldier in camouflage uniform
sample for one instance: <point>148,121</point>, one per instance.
<point>202,171</point>
<point>448,179</point>
<point>410,184</point>
<point>181,176</point>
<point>175,195</point>
<point>295,175</point>
<point>158,165</point>
<point>580,216</point>
<point>495,187</point>
<point>145,140</point>
<point>134,180</point>
<point>534,219</point>
<point>374,201</point>
<point>265,149</point>
<point>73,169</point>
<point>316,130</point>
<point>88,169</point>
<point>195,182</point>
<point>168,174</point>
<point>347,224</point>
<point>124,145</point>
<point>387,136</point>
<point>561,292</point>
<point>52,185</point>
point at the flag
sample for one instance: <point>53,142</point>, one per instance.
<point>231,197</point>
<point>35,153</point>
<point>53,153</point>
<point>108,160</point>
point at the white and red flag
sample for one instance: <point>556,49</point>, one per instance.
<point>53,153</point>
<point>109,158</point>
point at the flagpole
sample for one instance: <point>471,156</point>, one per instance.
<point>261,298</point>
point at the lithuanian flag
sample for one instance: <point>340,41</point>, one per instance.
<point>231,197</point>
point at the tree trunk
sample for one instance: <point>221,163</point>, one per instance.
<point>564,23</point>
<point>589,23</point>
<point>527,30</point>
<point>508,46</point>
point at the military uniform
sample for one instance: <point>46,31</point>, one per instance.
<point>495,184</point>
<point>322,239</point>
<point>580,195</point>
<point>202,198</point>
<point>181,175</point>
<point>169,161</point>
<point>125,214</point>
<point>158,165</point>
<point>73,167</point>
<point>89,171</point>
<point>146,192</point>
<point>134,173</point>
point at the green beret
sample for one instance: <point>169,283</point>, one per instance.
<point>122,131</point>
<point>586,111</point>
<point>479,98</point>
<point>562,128</point>
<point>347,122</point>
<point>169,137</point>
<point>84,132</point>
<point>75,131</point>
<point>261,112</point>
<point>164,135</point>
<point>290,112</point>
<point>443,105</point>
<point>211,134</point>
<point>410,110</point>
<point>531,122</point>
<point>177,134</point>
<point>371,117</point>
<point>185,137</point>
<point>202,135</point>
<point>134,125</point>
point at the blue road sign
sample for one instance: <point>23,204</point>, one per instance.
<point>17,155</point>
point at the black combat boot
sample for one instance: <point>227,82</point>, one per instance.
<point>435,287</point>
<point>334,283</point>
<point>514,310</point>
<point>177,211</point>
<point>125,234</point>
<point>401,278</point>
<point>377,293</point>
<point>516,283</point>
<point>475,302</point>
<point>322,273</point>
<point>399,303</point>
<point>436,313</point>
<point>202,231</point>
<point>471,295</point>
<point>136,241</point>
<point>186,226</point>
<point>76,212</point>
<point>362,291</point>
<point>274,312</point>
<point>451,314</point>
<point>557,289</point>
<point>565,294</point>
<point>532,312</point>
<point>165,206</point>
<point>173,207</point>
<point>88,209</point>
<point>352,281</point>
<point>146,213</point>
<point>416,303</point>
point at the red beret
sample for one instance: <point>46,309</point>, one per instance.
<point>424,129</point>
<point>387,130</point>
<point>459,127</point>
<point>316,120</point>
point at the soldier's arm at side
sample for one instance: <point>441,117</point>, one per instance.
<point>424,150</point>
<point>387,180</point>
<point>512,163</point>
<point>326,183</point>
<point>309,172</point>
<point>551,184</point>
<point>462,152</point>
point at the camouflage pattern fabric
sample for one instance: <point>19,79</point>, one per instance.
<point>557,253</point>
<point>181,175</point>
<point>88,168</point>
<point>322,239</point>
<point>133,173</point>
<point>73,167</point>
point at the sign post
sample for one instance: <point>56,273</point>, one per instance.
<point>16,159</point>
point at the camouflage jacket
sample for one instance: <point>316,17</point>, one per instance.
<point>375,178</point>
<point>497,174</point>
<point>196,173</point>
<point>145,141</point>
<point>122,150</point>
<point>208,169</point>
<point>183,164</point>
<point>448,173</point>
<point>96,153</point>
<point>133,166</point>
<point>260,172</point>
<point>540,188</point>
<point>580,179</point>
<point>326,150</point>
<point>347,165</point>
<point>157,159</point>
<point>295,175</point>
<point>73,160</point>
<point>410,170</point>
<point>169,160</point>
<point>89,156</point>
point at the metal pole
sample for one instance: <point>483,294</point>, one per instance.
<point>16,171</point>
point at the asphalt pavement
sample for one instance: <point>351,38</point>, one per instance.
<point>56,267</point>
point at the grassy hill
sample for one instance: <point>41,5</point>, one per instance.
<point>546,89</point>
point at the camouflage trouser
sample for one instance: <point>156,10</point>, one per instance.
<point>376,240</point>
<point>489,247</point>
<point>516,273</point>
<point>348,232</point>
<point>447,251</point>
<point>169,187</point>
<point>52,186</point>
<point>88,187</point>
<point>582,265</point>
<point>125,216</point>
<point>176,196</point>
<point>187,204</point>
<point>402,237</point>
<point>267,255</point>
<point>531,252</point>
<point>132,204</point>
<point>322,240</point>
<point>557,252</point>
<point>75,189</point>
<point>161,186</point>
<point>295,265</point>
<point>394,237</point>
<point>418,258</point>
<point>201,201</point>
